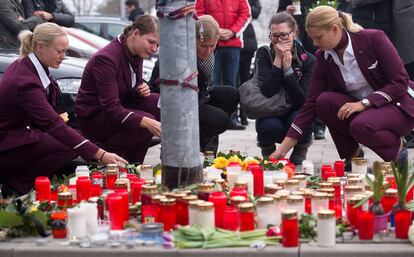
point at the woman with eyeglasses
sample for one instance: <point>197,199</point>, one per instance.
<point>359,88</point>
<point>289,68</point>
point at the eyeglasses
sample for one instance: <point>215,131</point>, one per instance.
<point>282,35</point>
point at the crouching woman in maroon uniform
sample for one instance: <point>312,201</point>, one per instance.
<point>34,140</point>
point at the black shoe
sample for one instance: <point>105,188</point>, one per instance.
<point>319,134</point>
<point>235,125</point>
<point>244,121</point>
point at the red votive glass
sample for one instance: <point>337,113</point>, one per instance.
<point>351,212</point>
<point>147,192</point>
<point>58,224</point>
<point>148,213</point>
<point>336,184</point>
<point>389,200</point>
<point>246,211</point>
<point>111,177</point>
<point>402,223</point>
<point>366,225</point>
<point>136,186</point>
<point>325,168</point>
<point>290,230</point>
<point>339,167</point>
<point>258,179</point>
<point>83,188</point>
<point>238,191</point>
<point>42,188</point>
<point>124,209</point>
<point>328,174</point>
<point>97,184</point>
<point>338,207</point>
<point>219,200</point>
<point>65,200</point>
<point>231,218</point>
<point>114,203</point>
<point>168,215</point>
<point>181,210</point>
<point>204,191</point>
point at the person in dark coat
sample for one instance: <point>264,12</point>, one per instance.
<point>12,22</point>
<point>34,139</point>
<point>114,105</point>
<point>248,50</point>
<point>50,10</point>
<point>133,9</point>
<point>359,88</point>
<point>216,103</point>
<point>290,69</point>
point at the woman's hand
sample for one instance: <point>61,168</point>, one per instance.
<point>277,154</point>
<point>348,109</point>
<point>290,9</point>
<point>283,148</point>
<point>144,90</point>
<point>109,158</point>
<point>153,126</point>
<point>287,59</point>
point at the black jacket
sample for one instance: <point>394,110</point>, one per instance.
<point>134,15</point>
<point>271,78</point>
<point>10,27</point>
<point>61,14</point>
<point>249,36</point>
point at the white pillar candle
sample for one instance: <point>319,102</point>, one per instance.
<point>145,171</point>
<point>265,212</point>
<point>320,201</point>
<point>292,185</point>
<point>213,173</point>
<point>76,222</point>
<point>326,229</point>
<point>82,170</point>
<point>247,176</point>
<point>91,217</point>
<point>268,177</point>
<point>359,165</point>
<point>308,168</point>
<point>206,214</point>
<point>193,212</point>
<point>277,210</point>
<point>302,180</point>
<point>296,202</point>
<point>233,172</point>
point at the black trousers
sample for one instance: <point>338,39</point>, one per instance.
<point>215,115</point>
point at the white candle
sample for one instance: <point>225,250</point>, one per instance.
<point>302,180</point>
<point>193,212</point>
<point>76,222</point>
<point>308,168</point>
<point>292,185</point>
<point>247,176</point>
<point>265,212</point>
<point>82,170</point>
<point>277,210</point>
<point>326,229</point>
<point>91,217</point>
<point>213,173</point>
<point>296,202</point>
<point>279,175</point>
<point>145,171</point>
<point>268,177</point>
<point>206,214</point>
<point>233,172</point>
<point>320,201</point>
<point>359,165</point>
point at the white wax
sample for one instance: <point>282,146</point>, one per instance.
<point>91,217</point>
<point>268,177</point>
<point>206,218</point>
<point>298,206</point>
<point>233,173</point>
<point>319,204</point>
<point>326,232</point>
<point>307,167</point>
<point>82,170</point>
<point>146,173</point>
<point>192,215</point>
<point>72,181</point>
<point>213,173</point>
<point>265,215</point>
<point>277,209</point>
<point>76,222</point>
<point>279,175</point>
<point>247,176</point>
<point>360,169</point>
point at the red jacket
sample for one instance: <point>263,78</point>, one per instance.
<point>230,14</point>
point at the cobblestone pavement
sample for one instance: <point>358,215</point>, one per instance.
<point>320,152</point>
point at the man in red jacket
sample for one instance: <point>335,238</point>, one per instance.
<point>233,16</point>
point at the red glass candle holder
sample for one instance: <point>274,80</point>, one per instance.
<point>238,191</point>
<point>258,179</point>
<point>58,224</point>
<point>136,186</point>
<point>219,200</point>
<point>42,188</point>
<point>97,184</point>
<point>204,191</point>
<point>339,167</point>
<point>53,194</point>
<point>149,213</point>
<point>388,203</point>
<point>365,225</point>
<point>231,218</point>
<point>65,200</point>
<point>114,203</point>
<point>110,177</point>
<point>181,209</point>
<point>308,204</point>
<point>124,209</point>
<point>246,211</point>
<point>168,215</point>
<point>83,188</point>
<point>352,213</point>
<point>325,168</point>
<point>327,174</point>
<point>290,229</point>
<point>402,223</point>
<point>338,208</point>
<point>410,194</point>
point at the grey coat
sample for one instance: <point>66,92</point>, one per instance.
<point>61,14</point>
<point>10,27</point>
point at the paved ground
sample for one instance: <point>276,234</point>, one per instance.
<point>320,152</point>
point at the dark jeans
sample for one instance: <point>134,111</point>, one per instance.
<point>272,130</point>
<point>215,115</point>
<point>226,66</point>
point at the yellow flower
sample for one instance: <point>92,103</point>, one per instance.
<point>248,161</point>
<point>220,163</point>
<point>235,158</point>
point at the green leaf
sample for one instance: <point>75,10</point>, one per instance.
<point>10,219</point>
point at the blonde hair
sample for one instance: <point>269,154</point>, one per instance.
<point>207,28</point>
<point>45,33</point>
<point>325,17</point>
